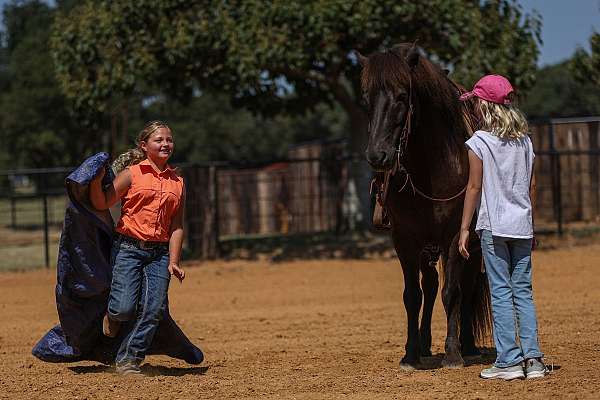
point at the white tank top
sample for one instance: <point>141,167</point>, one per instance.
<point>505,206</point>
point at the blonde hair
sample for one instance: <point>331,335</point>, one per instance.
<point>136,155</point>
<point>504,121</point>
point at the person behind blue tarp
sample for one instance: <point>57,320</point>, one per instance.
<point>83,283</point>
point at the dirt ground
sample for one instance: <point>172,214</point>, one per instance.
<point>316,329</point>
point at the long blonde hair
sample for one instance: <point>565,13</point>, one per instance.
<point>136,155</point>
<point>504,121</point>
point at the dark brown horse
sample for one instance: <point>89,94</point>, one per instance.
<point>416,136</point>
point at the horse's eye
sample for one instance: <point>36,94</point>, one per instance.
<point>364,97</point>
<point>401,97</point>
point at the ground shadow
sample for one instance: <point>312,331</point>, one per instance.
<point>325,245</point>
<point>156,370</point>
<point>91,369</point>
<point>148,370</point>
<point>487,357</point>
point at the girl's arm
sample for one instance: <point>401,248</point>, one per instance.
<point>176,242</point>
<point>533,199</point>
<point>471,199</point>
<point>103,200</point>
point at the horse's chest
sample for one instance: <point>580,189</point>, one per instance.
<point>442,212</point>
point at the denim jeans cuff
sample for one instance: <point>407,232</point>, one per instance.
<point>120,317</point>
<point>534,355</point>
<point>128,361</point>
<point>509,364</point>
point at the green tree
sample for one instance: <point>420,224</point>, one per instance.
<point>280,56</point>
<point>587,66</point>
<point>557,93</point>
<point>36,127</point>
<point>209,128</point>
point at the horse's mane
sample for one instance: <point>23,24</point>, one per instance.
<point>389,69</point>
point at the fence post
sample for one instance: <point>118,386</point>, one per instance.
<point>210,225</point>
<point>46,238</point>
<point>13,212</point>
<point>202,211</point>
<point>559,195</point>
<point>556,179</point>
<point>214,176</point>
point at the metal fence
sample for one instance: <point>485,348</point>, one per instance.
<point>289,197</point>
<point>226,202</point>
<point>32,207</point>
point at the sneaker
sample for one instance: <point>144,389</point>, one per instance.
<point>506,373</point>
<point>535,368</point>
<point>110,327</point>
<point>128,368</point>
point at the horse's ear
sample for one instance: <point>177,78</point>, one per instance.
<point>412,58</point>
<point>362,60</point>
<point>446,71</point>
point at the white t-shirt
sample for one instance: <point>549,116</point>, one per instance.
<point>505,206</point>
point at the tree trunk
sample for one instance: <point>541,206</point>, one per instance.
<point>360,172</point>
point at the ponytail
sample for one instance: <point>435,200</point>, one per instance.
<point>136,155</point>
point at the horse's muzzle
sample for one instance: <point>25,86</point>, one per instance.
<point>380,161</point>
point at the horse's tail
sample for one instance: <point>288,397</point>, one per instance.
<point>482,309</point>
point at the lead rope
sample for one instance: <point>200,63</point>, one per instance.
<point>417,191</point>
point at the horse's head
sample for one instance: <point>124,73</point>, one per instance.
<point>388,92</point>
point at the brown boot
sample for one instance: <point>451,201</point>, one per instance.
<point>110,327</point>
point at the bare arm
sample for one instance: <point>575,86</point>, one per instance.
<point>533,193</point>
<point>471,199</point>
<point>102,200</point>
<point>176,241</point>
<point>533,199</point>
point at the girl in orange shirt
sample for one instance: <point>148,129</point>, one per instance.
<point>147,247</point>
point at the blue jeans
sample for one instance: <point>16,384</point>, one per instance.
<point>508,268</point>
<point>139,287</point>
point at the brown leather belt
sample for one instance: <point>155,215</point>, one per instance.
<point>143,244</point>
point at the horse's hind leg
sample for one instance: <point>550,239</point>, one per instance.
<point>429,283</point>
<point>451,296</point>
<point>468,285</point>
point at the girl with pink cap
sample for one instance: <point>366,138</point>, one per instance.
<point>501,189</point>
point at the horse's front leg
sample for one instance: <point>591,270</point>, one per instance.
<point>429,284</point>
<point>451,297</point>
<point>409,258</point>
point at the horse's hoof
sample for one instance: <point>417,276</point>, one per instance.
<point>472,357</point>
<point>471,352</point>
<point>426,353</point>
<point>408,365</point>
<point>454,362</point>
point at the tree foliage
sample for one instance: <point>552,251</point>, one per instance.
<point>587,66</point>
<point>208,128</point>
<point>36,127</point>
<point>557,93</point>
<point>278,56</point>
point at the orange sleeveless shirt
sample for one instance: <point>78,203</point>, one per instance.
<point>148,206</point>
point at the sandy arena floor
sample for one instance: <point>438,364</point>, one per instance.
<point>318,329</point>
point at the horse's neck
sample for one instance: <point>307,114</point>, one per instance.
<point>439,148</point>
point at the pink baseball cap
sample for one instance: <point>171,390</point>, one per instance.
<point>494,88</point>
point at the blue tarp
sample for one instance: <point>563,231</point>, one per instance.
<point>83,284</point>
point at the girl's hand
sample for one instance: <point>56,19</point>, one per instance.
<point>177,271</point>
<point>100,175</point>
<point>462,243</point>
<point>534,244</point>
